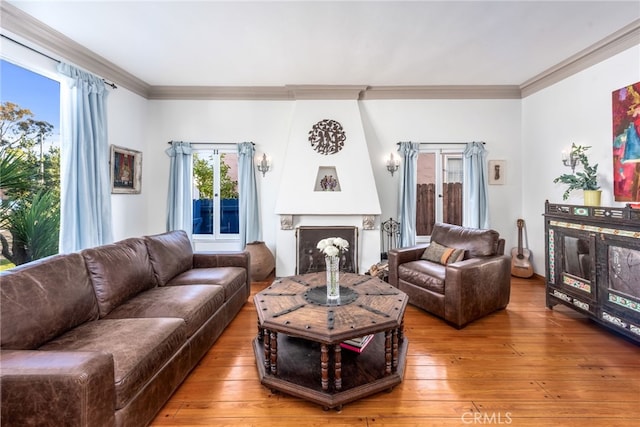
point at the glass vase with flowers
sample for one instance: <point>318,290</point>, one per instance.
<point>332,247</point>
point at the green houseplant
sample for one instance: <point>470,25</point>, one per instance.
<point>586,180</point>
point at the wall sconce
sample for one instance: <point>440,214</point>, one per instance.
<point>571,159</point>
<point>392,164</point>
<point>264,165</point>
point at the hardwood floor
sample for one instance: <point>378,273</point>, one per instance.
<point>524,366</point>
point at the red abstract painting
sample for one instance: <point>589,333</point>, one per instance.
<point>626,143</point>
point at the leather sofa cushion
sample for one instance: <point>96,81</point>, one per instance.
<point>140,348</point>
<point>425,274</point>
<point>170,253</point>
<point>230,278</point>
<point>475,242</point>
<point>119,271</point>
<point>195,304</point>
<point>43,299</point>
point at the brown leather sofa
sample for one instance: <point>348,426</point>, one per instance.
<point>457,291</point>
<point>103,337</point>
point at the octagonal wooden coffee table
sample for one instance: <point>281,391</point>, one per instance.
<point>298,348</point>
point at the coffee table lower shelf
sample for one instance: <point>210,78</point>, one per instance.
<point>299,373</point>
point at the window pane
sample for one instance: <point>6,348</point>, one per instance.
<point>452,190</point>
<point>203,162</point>
<point>30,153</point>
<point>426,194</point>
<point>229,220</point>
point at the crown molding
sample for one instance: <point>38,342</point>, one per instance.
<point>33,31</point>
<point>621,40</point>
<point>443,92</point>
<point>226,93</point>
<point>262,93</point>
<point>326,91</point>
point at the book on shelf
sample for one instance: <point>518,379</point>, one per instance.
<point>357,344</point>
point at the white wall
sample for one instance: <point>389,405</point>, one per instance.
<point>497,122</point>
<point>128,125</point>
<point>577,109</point>
<point>266,123</point>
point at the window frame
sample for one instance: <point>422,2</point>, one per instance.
<point>441,152</point>
<point>216,150</point>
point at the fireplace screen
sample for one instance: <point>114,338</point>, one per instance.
<point>310,260</point>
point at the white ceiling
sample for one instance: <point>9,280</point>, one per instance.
<point>267,43</point>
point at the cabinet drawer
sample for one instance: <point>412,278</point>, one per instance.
<point>567,298</point>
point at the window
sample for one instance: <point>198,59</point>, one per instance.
<point>215,193</point>
<point>438,168</point>
<point>30,159</point>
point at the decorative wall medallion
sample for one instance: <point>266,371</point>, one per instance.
<point>327,137</point>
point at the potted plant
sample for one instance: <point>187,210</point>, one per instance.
<point>586,180</point>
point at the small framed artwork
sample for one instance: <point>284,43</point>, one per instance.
<point>126,170</point>
<point>497,172</point>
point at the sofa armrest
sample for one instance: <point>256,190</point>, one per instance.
<point>57,388</point>
<point>475,287</point>
<point>400,256</point>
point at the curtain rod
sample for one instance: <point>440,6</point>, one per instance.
<point>112,85</point>
<point>209,143</point>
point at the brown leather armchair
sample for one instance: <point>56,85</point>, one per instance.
<point>458,291</point>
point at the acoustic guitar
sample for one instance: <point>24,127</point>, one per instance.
<point>520,257</point>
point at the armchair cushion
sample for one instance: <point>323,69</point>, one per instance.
<point>436,252</point>
<point>476,242</point>
<point>426,275</point>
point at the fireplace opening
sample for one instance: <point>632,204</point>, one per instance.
<point>310,260</point>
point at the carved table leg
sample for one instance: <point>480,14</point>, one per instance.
<point>387,352</point>
<point>324,366</point>
<point>337,353</point>
<point>274,353</point>
<point>395,350</point>
<point>267,349</point>
<point>260,330</point>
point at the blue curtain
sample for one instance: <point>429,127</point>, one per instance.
<point>250,230</point>
<point>475,189</point>
<point>85,193</point>
<point>407,203</point>
<point>179,215</point>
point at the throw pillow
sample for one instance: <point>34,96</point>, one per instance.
<point>436,252</point>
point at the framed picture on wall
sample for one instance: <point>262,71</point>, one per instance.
<point>126,170</point>
<point>497,172</point>
<point>626,143</point>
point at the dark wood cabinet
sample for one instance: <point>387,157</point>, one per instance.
<point>593,263</point>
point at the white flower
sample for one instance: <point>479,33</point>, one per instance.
<point>322,244</point>
<point>340,243</point>
<point>332,246</point>
<point>331,251</point>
